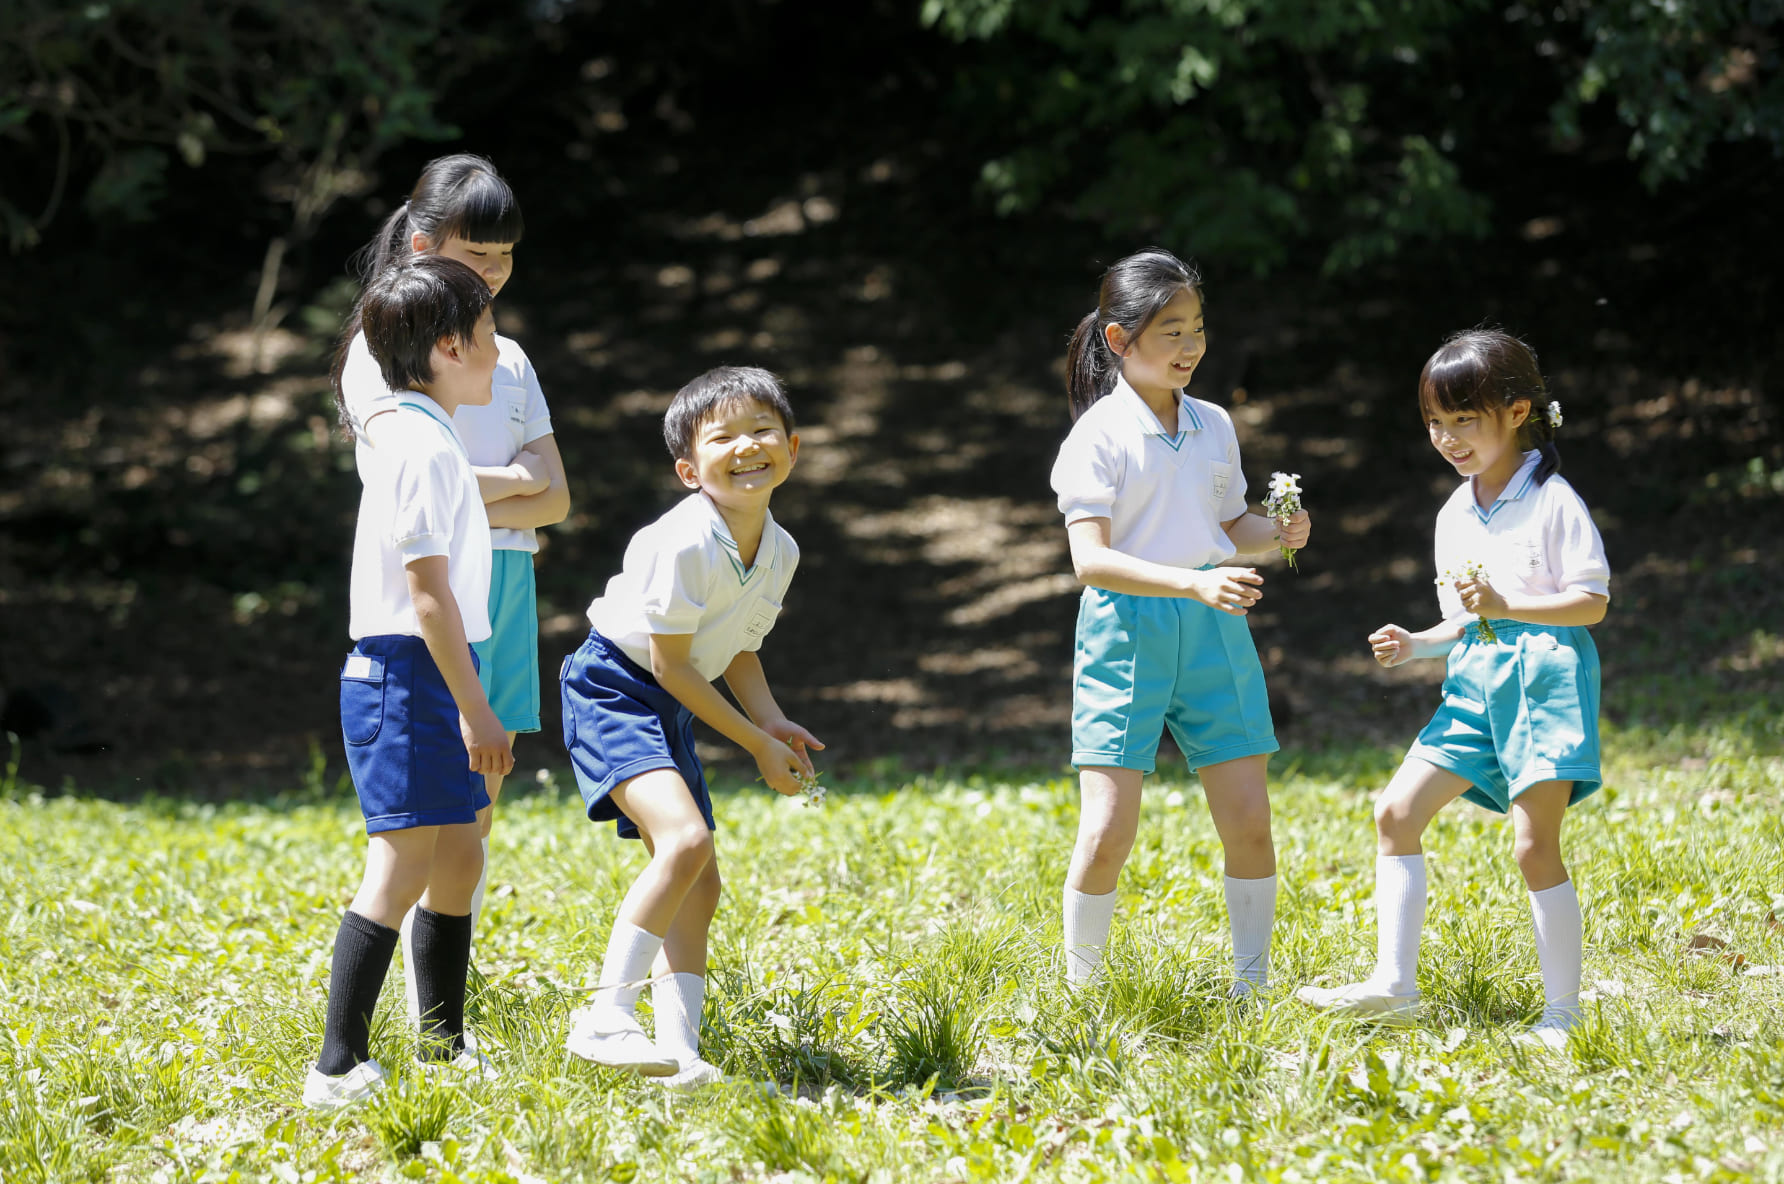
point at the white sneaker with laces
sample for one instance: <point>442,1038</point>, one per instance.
<point>1365,1000</point>
<point>692,1075</point>
<point>611,1037</point>
<point>469,1064</point>
<point>1550,1030</point>
<point>322,1092</point>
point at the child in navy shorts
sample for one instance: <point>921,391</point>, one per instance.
<point>1521,574</point>
<point>699,589</point>
<point>412,707</point>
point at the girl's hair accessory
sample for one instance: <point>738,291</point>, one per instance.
<point>1554,413</point>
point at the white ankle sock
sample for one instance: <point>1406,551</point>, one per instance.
<point>626,967</point>
<point>678,1001</point>
<point>1087,921</point>
<point>1399,918</point>
<point>1560,941</point>
<point>1251,910</point>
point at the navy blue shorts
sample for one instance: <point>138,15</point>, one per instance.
<point>404,748</point>
<point>620,722</point>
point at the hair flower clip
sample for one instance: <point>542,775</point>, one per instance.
<point>1554,413</point>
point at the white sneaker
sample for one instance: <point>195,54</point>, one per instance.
<point>469,1065</point>
<point>693,1074</point>
<point>1550,1030</point>
<point>609,1036</point>
<point>322,1092</point>
<point>1245,989</point>
<point>1365,1000</point>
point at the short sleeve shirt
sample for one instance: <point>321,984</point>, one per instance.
<point>1165,493</point>
<point>1534,540</point>
<point>493,435</point>
<point>419,499</point>
<point>683,574</point>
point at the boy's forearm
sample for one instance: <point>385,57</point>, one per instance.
<point>699,696</point>
<point>1438,640</point>
<point>749,682</point>
<point>497,483</point>
<point>526,511</point>
<point>1561,608</point>
<point>1253,534</point>
<point>443,632</point>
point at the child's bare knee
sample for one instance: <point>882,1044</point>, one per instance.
<point>686,851</point>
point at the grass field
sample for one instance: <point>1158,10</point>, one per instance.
<point>890,961</point>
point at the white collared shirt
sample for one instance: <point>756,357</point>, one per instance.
<point>682,574</point>
<point>420,499</point>
<point>1165,495</point>
<point>1534,540</point>
<point>493,435</point>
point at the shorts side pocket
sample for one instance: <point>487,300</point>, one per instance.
<point>569,708</point>
<point>362,699</point>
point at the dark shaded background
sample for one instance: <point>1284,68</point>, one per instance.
<point>791,185</point>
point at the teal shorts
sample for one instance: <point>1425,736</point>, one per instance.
<point>1146,663</point>
<point>510,658</point>
<point>1517,712</point>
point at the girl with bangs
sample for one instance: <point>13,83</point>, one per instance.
<point>1521,574</point>
<point>461,208</point>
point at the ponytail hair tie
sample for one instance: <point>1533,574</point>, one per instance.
<point>1554,413</point>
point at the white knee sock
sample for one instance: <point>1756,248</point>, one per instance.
<point>1251,910</point>
<point>407,929</point>
<point>1399,918</point>
<point>623,972</point>
<point>1087,921</point>
<point>1560,941</point>
<point>678,1001</point>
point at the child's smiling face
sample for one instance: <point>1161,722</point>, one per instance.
<point>1165,354</point>
<point>1476,442</point>
<point>742,453</point>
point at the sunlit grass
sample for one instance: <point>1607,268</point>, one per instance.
<point>885,992</point>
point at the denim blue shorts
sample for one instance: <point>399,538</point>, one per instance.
<point>404,748</point>
<point>510,658</point>
<point>620,722</point>
<point>1145,663</point>
<point>1517,712</point>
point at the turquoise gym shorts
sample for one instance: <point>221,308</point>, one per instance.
<point>510,670</point>
<point>1517,712</point>
<point>1145,663</point>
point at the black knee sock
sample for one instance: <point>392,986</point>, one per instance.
<point>442,946</point>
<point>362,953</point>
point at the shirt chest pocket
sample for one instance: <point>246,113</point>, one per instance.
<point>1527,555</point>
<point>1220,477</point>
<point>512,402</point>
<point>759,618</point>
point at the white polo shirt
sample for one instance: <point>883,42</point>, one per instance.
<point>420,499</point>
<point>493,435</point>
<point>1534,540</point>
<point>1164,494</point>
<point>682,574</point>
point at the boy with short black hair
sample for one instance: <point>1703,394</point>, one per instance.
<point>412,707</point>
<point>699,589</point>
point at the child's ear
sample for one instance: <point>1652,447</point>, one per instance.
<point>792,448</point>
<point>684,469</point>
<point>1116,336</point>
<point>450,349</point>
<point>1519,412</point>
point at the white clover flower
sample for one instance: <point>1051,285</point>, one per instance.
<point>815,791</point>
<point>1554,413</point>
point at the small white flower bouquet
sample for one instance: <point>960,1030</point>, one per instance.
<point>1283,503</point>
<point>814,789</point>
<point>1472,570</point>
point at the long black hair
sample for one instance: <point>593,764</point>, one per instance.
<point>459,196</point>
<point>413,305</point>
<point>1486,371</point>
<point>1133,292</point>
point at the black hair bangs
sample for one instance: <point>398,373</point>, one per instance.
<point>483,209</point>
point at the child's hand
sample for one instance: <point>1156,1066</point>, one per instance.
<point>781,767</point>
<point>1481,599</point>
<point>1232,590</point>
<point>796,738</point>
<point>1292,532</point>
<point>487,743</point>
<point>1392,645</point>
<point>533,466</point>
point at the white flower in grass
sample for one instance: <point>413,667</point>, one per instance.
<point>815,792</point>
<point>1284,503</point>
<point>1471,569</point>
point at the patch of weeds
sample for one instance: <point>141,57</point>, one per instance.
<point>786,1137</point>
<point>790,1035</point>
<point>1159,992</point>
<point>933,1034</point>
<point>409,1111</point>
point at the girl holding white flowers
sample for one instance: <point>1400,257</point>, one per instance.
<point>1524,574</point>
<point>1154,503</point>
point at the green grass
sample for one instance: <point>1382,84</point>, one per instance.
<point>890,963</point>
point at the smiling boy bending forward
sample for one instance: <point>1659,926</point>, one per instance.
<point>700,588</point>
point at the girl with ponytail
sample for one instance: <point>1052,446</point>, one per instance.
<point>462,209</point>
<point>1521,574</point>
<point>1154,503</point>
